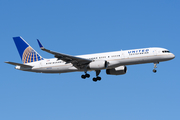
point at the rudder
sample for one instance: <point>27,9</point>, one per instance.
<point>26,52</point>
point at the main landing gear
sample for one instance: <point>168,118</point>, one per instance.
<point>85,76</point>
<point>155,66</point>
<point>95,79</point>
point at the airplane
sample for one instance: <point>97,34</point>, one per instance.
<point>113,62</point>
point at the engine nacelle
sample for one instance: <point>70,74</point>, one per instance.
<point>117,71</point>
<point>99,64</point>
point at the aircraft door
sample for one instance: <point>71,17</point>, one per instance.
<point>122,55</point>
<point>155,52</point>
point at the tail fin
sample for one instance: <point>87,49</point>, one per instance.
<point>26,52</point>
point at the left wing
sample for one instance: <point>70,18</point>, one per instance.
<point>76,61</point>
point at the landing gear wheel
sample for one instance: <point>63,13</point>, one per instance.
<point>83,76</point>
<point>87,75</point>
<point>95,79</point>
<point>155,66</point>
<point>98,78</point>
<point>154,70</point>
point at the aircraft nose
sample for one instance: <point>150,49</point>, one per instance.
<point>173,56</point>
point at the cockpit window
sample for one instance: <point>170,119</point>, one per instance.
<point>165,51</point>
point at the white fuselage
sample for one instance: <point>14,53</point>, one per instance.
<point>114,59</point>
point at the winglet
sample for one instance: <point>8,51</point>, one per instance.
<point>40,45</point>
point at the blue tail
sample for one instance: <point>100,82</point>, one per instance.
<point>26,52</point>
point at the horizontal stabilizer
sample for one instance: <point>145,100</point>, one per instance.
<point>19,64</point>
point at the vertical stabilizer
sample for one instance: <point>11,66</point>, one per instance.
<point>26,52</point>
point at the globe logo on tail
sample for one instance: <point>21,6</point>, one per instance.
<point>30,55</point>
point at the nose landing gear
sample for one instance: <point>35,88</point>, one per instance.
<point>155,66</point>
<point>154,70</point>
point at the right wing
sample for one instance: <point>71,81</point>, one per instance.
<point>76,61</point>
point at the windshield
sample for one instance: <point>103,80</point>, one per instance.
<point>166,51</point>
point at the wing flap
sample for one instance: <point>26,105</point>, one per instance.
<point>67,58</point>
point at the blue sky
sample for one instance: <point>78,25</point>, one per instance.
<point>82,27</point>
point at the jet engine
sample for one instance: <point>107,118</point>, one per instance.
<point>117,71</point>
<point>99,64</point>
